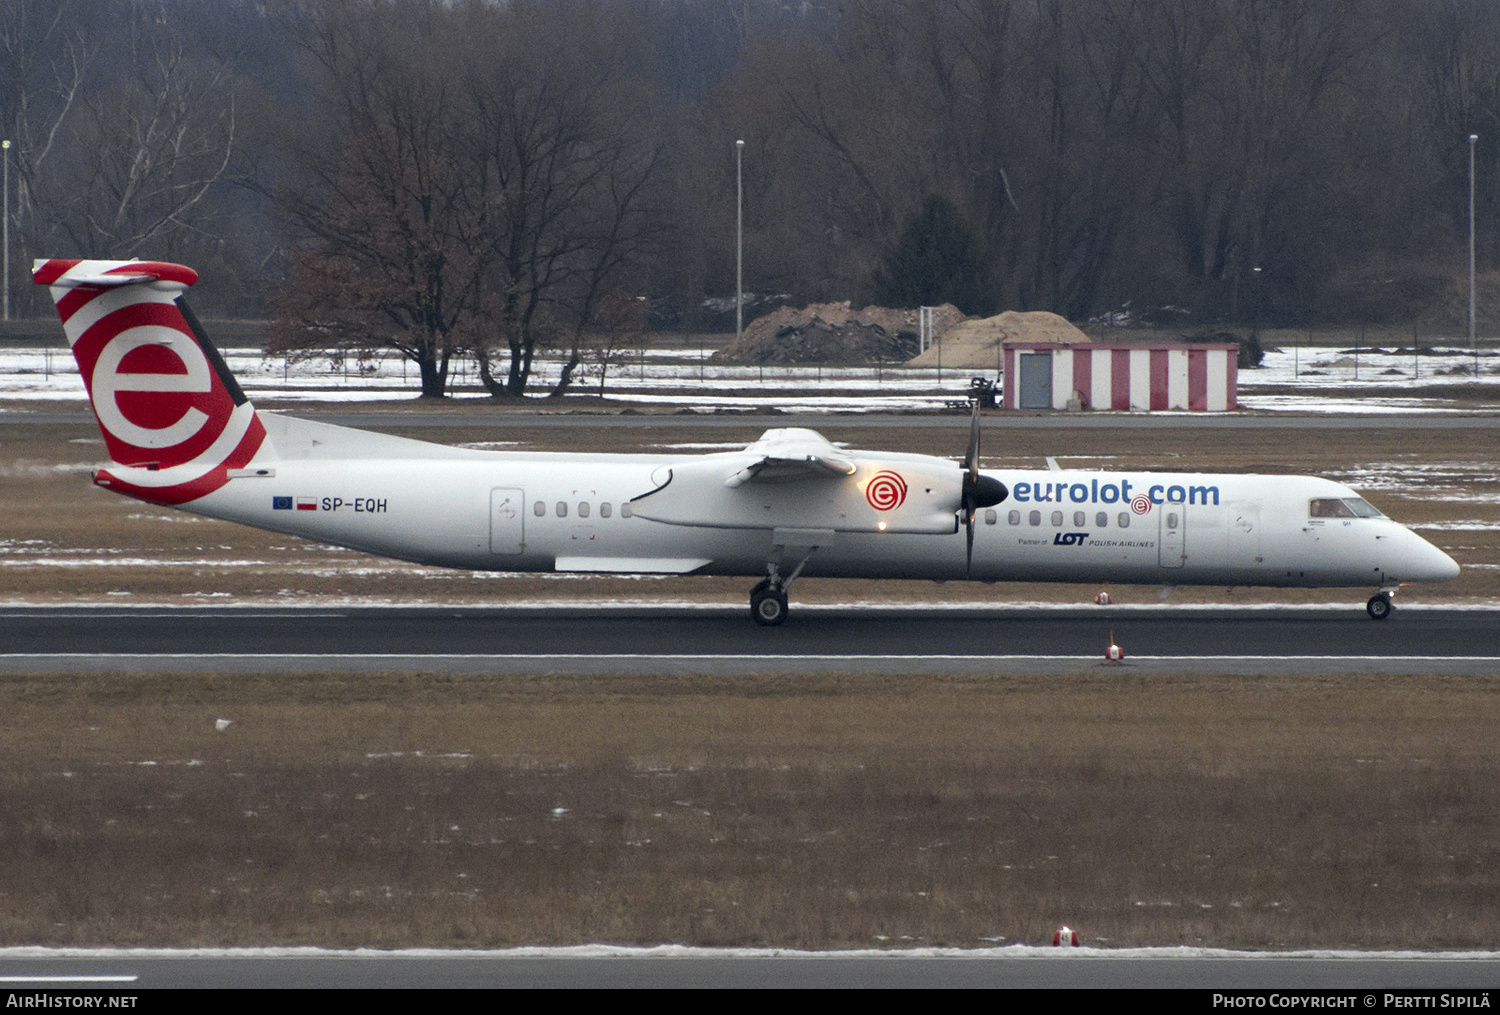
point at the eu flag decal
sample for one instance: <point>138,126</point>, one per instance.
<point>281,503</point>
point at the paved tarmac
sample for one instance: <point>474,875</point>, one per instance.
<point>1369,974</point>
<point>631,639</point>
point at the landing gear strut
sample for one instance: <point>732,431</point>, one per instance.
<point>1380,606</point>
<point>768,598</point>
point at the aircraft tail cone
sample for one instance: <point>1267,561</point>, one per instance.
<point>1065,936</point>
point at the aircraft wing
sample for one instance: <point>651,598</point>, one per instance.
<point>795,478</point>
<point>785,469</point>
<point>790,454</point>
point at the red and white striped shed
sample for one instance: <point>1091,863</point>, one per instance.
<point>1195,378</point>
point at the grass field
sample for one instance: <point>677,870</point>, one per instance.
<point>812,811</point>
<point>815,812</point>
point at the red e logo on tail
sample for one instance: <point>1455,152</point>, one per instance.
<point>157,392</point>
<point>152,388</point>
<point>156,365</point>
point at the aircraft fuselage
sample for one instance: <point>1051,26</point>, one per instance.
<point>518,511</point>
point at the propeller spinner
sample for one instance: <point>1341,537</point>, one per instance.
<point>978,491</point>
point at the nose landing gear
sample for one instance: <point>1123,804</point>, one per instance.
<point>1380,606</point>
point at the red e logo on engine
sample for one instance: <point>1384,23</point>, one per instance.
<point>886,492</point>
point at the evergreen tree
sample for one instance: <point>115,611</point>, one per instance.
<point>937,260</point>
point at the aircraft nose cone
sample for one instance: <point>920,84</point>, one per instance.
<point>1426,563</point>
<point>1446,567</point>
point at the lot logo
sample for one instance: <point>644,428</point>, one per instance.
<point>1069,538</point>
<point>1140,505</point>
<point>886,492</point>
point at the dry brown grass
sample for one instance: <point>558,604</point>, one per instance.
<point>827,811</point>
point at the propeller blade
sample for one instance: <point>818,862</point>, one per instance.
<point>977,491</point>
<point>969,547</point>
<point>971,461</point>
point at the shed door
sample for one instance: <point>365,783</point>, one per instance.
<point>1036,380</point>
<point>507,520</point>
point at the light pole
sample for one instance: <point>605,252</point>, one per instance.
<point>1473,344</point>
<point>5,148</point>
<point>739,239</point>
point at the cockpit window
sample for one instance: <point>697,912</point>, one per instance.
<point>1341,507</point>
<point>1330,508</point>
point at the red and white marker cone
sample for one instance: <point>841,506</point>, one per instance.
<point>1064,936</point>
<point>1115,653</point>
<point>1102,599</point>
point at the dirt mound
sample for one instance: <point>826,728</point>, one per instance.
<point>975,343</point>
<point>833,333</point>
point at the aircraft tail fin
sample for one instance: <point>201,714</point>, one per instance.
<point>175,421</point>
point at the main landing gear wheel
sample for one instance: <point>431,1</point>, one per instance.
<point>1380,606</point>
<point>768,605</point>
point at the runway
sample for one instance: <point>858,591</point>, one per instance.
<point>128,971</point>
<point>723,640</point>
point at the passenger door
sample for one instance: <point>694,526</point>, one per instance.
<point>507,520</point>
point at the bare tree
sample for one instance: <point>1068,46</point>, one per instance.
<point>394,218</point>
<point>614,334</point>
<point>560,120</point>
<point>146,150</point>
<point>45,55</point>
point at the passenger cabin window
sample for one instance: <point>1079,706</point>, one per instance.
<point>604,510</point>
<point>1080,519</point>
<point>1102,519</point>
<point>562,509</point>
<point>1014,518</point>
<point>1036,518</point>
<point>990,518</point>
<point>583,509</point>
<point>1057,519</point>
<point>1124,519</point>
<point>539,509</point>
<point>626,511</point>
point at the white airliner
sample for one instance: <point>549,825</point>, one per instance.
<point>180,432</point>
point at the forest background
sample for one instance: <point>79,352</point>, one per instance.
<point>493,178</point>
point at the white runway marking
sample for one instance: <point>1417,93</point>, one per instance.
<point>80,978</point>
<point>648,663</point>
